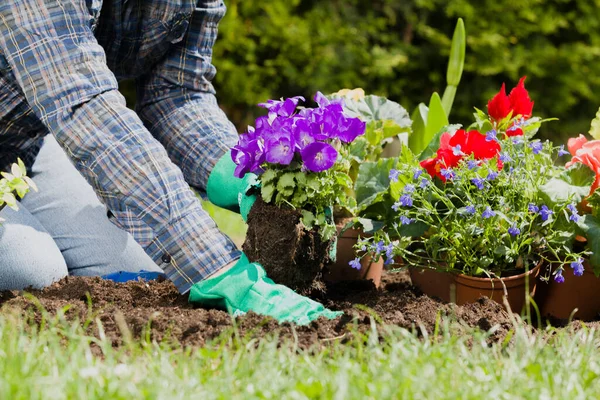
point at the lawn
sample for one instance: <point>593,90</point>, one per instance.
<point>56,362</point>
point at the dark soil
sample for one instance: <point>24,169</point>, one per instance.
<point>157,311</point>
<point>290,255</point>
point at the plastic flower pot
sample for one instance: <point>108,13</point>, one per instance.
<point>559,300</point>
<point>341,269</point>
<point>462,289</point>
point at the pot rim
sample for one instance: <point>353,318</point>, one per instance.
<point>509,281</point>
<point>478,279</point>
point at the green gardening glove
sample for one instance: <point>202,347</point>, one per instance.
<point>245,287</point>
<point>225,190</point>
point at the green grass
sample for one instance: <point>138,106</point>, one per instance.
<point>56,362</point>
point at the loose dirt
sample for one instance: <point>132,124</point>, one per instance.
<point>157,311</point>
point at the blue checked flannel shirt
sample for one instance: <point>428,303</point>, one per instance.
<point>60,61</point>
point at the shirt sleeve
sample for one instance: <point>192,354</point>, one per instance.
<point>62,72</point>
<point>177,103</point>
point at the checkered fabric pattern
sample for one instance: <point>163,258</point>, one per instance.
<point>60,61</point>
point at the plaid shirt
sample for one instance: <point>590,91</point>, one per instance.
<point>60,61</point>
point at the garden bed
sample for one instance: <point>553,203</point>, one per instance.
<point>156,310</point>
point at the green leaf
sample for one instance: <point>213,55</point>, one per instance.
<point>448,99</point>
<point>591,229</point>
<point>375,108</point>
<point>416,140</point>
<point>436,117</point>
<point>434,143</point>
<point>268,176</point>
<point>595,127</point>
<point>414,229</point>
<point>343,180</point>
<point>267,192</point>
<point>370,226</point>
<point>373,180</point>
<point>456,62</point>
<point>579,175</point>
<point>308,219</point>
<point>557,191</point>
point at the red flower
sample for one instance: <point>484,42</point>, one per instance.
<point>517,101</point>
<point>499,106</point>
<point>453,148</point>
<point>514,131</point>
<point>520,102</point>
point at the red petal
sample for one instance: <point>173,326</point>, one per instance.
<point>499,105</point>
<point>520,102</point>
<point>429,166</point>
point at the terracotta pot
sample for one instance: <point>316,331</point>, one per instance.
<point>341,270</point>
<point>462,289</point>
<point>558,300</point>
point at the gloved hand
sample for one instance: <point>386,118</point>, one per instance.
<point>226,191</point>
<point>245,287</point>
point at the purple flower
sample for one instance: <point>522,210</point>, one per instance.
<point>491,175</point>
<point>280,150</point>
<point>404,220</point>
<point>470,210</point>
<point>379,247</point>
<point>394,175</point>
<point>349,129</point>
<point>491,136</point>
<point>282,107</point>
<point>478,182</point>
<point>558,277</point>
<point>396,206</point>
<point>417,173</point>
<point>424,183</point>
<point>577,267</point>
<point>472,164</point>
<point>517,140</point>
<point>488,212</point>
<point>574,214</point>
<point>505,158</point>
<point>304,133</point>
<point>319,156</point>
<point>562,151</point>
<point>388,261</point>
<point>456,150</point>
<point>389,251</point>
<point>406,200</point>
<point>545,212</point>
<point>409,188</point>
<point>533,208</point>
<point>514,231</point>
<point>355,263</point>
<point>447,173</point>
<point>536,146</point>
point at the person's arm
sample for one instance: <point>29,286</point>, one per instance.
<point>62,72</point>
<point>177,101</point>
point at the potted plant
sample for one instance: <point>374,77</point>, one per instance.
<point>14,184</point>
<point>573,291</point>
<point>468,215</point>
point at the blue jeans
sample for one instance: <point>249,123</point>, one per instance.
<point>62,230</point>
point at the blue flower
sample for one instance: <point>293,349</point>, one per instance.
<point>394,175</point>
<point>491,136</point>
<point>409,188</point>
<point>379,247</point>
<point>517,140</point>
<point>545,212</point>
<point>574,215</point>
<point>562,151</point>
<point>558,277</point>
<point>505,158</point>
<point>478,182</point>
<point>389,251</point>
<point>491,175</point>
<point>406,200</point>
<point>424,183</point>
<point>404,220</point>
<point>456,150</point>
<point>533,208</point>
<point>577,267</point>
<point>470,210</point>
<point>536,146</point>
<point>388,261</point>
<point>472,164</point>
<point>488,213</point>
<point>355,263</point>
<point>417,173</point>
<point>447,173</point>
<point>363,247</point>
<point>514,231</point>
<point>396,206</point>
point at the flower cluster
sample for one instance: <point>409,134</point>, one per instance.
<point>308,136</point>
<point>516,104</point>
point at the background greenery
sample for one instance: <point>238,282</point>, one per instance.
<point>399,49</point>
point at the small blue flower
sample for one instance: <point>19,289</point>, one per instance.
<point>488,212</point>
<point>396,206</point>
<point>517,140</point>
<point>404,220</point>
<point>424,183</point>
<point>363,247</point>
<point>406,200</point>
<point>478,182</point>
<point>505,158</point>
<point>514,231</point>
<point>456,150</point>
<point>447,173</point>
<point>394,175</point>
<point>574,214</point>
<point>355,263</point>
<point>472,164</point>
<point>379,247</point>
<point>577,267</point>
<point>562,151</point>
<point>388,261</point>
<point>536,146</point>
<point>491,136</point>
<point>558,277</point>
<point>533,208</point>
<point>417,173</point>
<point>470,210</point>
<point>389,251</point>
<point>545,212</point>
<point>409,188</point>
<point>491,175</point>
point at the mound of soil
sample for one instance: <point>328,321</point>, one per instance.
<point>156,310</point>
<point>291,255</point>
